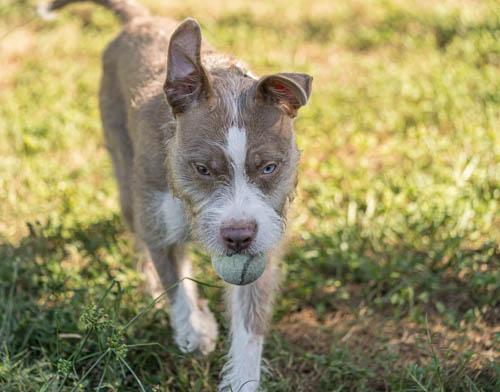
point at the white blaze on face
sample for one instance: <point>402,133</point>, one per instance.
<point>245,200</point>
<point>236,150</point>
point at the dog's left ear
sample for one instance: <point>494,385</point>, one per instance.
<point>288,91</point>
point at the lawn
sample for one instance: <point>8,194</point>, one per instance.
<point>393,265</point>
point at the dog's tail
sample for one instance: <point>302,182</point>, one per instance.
<point>126,10</point>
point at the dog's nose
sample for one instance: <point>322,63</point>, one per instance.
<point>238,235</point>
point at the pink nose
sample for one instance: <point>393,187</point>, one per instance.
<point>238,235</point>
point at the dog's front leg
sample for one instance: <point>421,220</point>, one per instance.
<point>194,325</point>
<point>251,308</point>
<point>159,223</point>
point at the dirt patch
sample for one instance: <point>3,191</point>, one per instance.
<point>14,47</point>
<point>370,334</point>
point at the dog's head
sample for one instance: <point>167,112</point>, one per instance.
<point>233,158</point>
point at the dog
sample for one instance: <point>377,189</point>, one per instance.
<point>202,150</point>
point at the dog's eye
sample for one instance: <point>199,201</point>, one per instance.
<point>202,169</point>
<point>268,169</point>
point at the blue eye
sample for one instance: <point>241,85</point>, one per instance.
<point>268,169</point>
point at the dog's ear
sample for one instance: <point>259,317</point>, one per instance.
<point>187,80</point>
<point>288,91</point>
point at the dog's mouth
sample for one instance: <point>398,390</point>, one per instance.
<point>247,253</point>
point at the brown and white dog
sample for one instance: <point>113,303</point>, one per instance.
<point>201,150</point>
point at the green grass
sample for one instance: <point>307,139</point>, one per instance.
<point>392,273</point>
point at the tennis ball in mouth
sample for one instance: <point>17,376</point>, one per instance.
<point>239,269</point>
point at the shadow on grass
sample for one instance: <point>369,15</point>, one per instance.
<point>349,267</point>
<point>51,280</point>
<point>378,313</point>
<point>61,293</point>
<point>38,265</point>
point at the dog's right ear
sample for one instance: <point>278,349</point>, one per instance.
<point>187,80</point>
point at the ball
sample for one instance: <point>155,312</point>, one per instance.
<point>239,269</point>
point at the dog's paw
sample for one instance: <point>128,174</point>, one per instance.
<point>237,377</point>
<point>235,385</point>
<point>198,333</point>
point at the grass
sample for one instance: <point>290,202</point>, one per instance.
<point>392,273</point>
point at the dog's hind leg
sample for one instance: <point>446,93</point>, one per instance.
<point>251,308</point>
<point>114,117</point>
